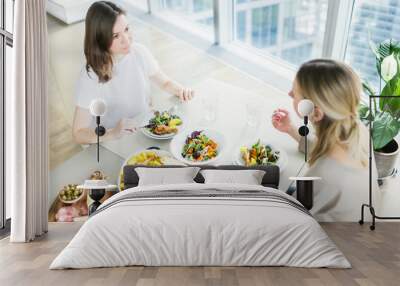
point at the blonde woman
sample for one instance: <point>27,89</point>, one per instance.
<point>339,151</point>
<point>117,70</point>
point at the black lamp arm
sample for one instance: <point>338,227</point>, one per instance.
<point>303,131</point>
<point>100,131</point>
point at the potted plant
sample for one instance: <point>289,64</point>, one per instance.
<point>385,112</point>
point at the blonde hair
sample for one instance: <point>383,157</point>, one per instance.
<point>335,89</point>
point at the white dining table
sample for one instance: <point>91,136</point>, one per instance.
<point>241,116</point>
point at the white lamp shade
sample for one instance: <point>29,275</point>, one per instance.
<point>98,107</point>
<point>305,107</point>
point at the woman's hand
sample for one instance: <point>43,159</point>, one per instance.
<point>123,127</point>
<point>172,87</point>
<point>281,120</point>
<point>185,94</point>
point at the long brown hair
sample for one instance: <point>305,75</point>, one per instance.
<point>335,88</point>
<point>99,23</point>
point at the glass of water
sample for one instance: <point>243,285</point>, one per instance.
<point>253,113</point>
<point>210,105</point>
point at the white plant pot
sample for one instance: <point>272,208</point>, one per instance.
<point>385,161</point>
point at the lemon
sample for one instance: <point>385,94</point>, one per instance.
<point>243,149</point>
<point>174,122</point>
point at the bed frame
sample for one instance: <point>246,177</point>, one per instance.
<point>270,179</point>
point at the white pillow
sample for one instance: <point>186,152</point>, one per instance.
<point>248,177</point>
<point>166,176</point>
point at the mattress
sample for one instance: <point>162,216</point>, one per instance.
<point>201,225</point>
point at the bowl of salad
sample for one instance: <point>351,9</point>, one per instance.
<point>161,125</point>
<point>261,153</point>
<point>198,147</point>
<point>152,158</point>
<point>70,194</point>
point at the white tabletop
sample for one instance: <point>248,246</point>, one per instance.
<point>231,121</point>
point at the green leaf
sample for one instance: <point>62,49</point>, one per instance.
<point>386,48</point>
<point>368,88</point>
<point>364,112</point>
<point>391,105</point>
<point>384,129</point>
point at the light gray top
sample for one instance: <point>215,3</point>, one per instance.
<point>338,196</point>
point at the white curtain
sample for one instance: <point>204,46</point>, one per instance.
<point>26,117</point>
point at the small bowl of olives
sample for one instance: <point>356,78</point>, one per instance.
<point>70,194</point>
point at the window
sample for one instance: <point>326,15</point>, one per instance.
<point>142,4</point>
<point>8,74</point>
<point>240,27</point>
<point>372,20</point>
<point>9,11</point>
<point>297,55</point>
<point>292,30</point>
<point>6,42</point>
<point>264,26</point>
<point>196,15</point>
<point>285,33</point>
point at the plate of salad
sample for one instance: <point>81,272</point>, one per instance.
<point>261,153</point>
<point>198,147</point>
<point>147,157</point>
<point>162,125</point>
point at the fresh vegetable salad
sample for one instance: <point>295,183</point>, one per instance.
<point>259,154</point>
<point>164,123</point>
<point>199,147</point>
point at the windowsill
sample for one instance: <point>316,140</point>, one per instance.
<point>272,71</point>
<point>281,68</point>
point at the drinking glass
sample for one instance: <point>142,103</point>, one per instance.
<point>253,113</point>
<point>210,105</point>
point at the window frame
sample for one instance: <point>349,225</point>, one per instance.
<point>337,28</point>
<point>6,39</point>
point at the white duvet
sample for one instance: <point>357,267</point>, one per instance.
<point>200,231</point>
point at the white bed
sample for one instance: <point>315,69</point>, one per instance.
<point>201,224</point>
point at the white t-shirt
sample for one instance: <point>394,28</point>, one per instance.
<point>127,93</point>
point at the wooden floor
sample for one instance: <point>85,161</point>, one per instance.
<point>375,257</point>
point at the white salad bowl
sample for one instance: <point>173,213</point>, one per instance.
<point>149,134</point>
<point>178,142</point>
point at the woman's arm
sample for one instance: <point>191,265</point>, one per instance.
<point>294,133</point>
<point>83,133</point>
<point>282,122</point>
<point>171,86</point>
